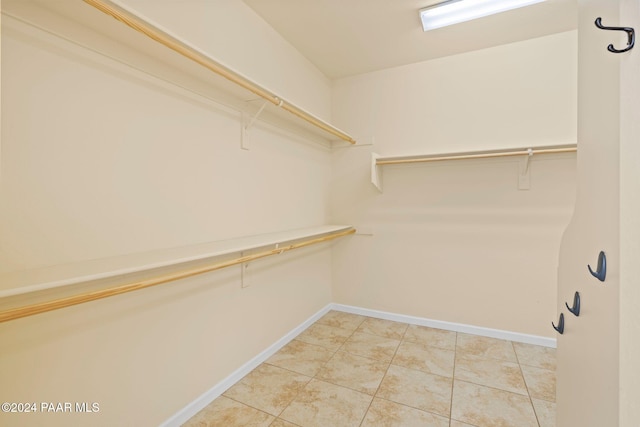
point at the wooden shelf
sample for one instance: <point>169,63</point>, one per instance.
<point>29,281</point>
<point>377,161</point>
<point>165,56</point>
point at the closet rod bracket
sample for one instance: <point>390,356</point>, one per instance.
<point>526,159</point>
<point>255,116</point>
<point>245,281</point>
<point>524,177</point>
<point>246,122</point>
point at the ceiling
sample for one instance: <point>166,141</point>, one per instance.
<point>347,37</point>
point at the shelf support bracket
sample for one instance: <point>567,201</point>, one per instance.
<point>244,273</point>
<point>247,122</point>
<point>524,176</point>
<point>376,172</point>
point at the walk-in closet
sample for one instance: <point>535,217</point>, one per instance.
<point>319,213</point>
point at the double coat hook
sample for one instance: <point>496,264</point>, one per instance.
<point>631,35</point>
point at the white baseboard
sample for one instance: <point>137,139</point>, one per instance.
<point>209,396</point>
<point>450,326</point>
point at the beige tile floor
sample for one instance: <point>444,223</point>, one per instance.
<point>350,370</point>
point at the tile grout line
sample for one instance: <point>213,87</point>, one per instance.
<point>249,406</point>
<point>339,349</point>
<point>496,389</point>
<point>322,366</point>
<point>417,370</point>
<point>294,398</point>
<point>413,407</point>
<point>311,378</point>
<point>282,419</point>
<point>377,388</point>
<point>453,379</point>
<point>524,380</point>
<point>385,373</point>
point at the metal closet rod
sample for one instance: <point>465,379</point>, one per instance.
<point>477,155</point>
<point>43,307</point>
<point>193,54</point>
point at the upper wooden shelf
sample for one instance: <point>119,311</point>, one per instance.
<point>377,161</point>
<point>91,24</point>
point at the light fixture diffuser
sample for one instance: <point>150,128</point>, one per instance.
<point>455,11</point>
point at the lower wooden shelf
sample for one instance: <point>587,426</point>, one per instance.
<point>209,257</point>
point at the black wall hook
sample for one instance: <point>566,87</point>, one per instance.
<point>601,272</point>
<point>631,34</point>
<point>575,310</point>
<point>560,327</point>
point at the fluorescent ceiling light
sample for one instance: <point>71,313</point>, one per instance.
<point>454,11</point>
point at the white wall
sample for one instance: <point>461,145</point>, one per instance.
<point>102,160</point>
<point>629,233</point>
<point>233,34</point>
<point>598,351</point>
<point>457,241</point>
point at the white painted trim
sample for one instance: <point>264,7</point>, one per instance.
<point>209,396</point>
<point>450,326</point>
